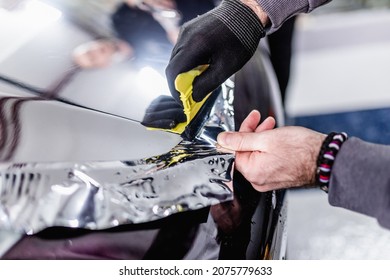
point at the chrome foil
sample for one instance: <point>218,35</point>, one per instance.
<point>100,195</point>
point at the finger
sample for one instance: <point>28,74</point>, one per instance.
<point>217,73</point>
<point>207,82</point>
<point>267,124</point>
<point>242,141</point>
<point>251,122</point>
<point>220,69</point>
<point>181,63</point>
<point>163,103</point>
<point>160,123</point>
<point>170,113</point>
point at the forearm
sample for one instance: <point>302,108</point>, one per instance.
<point>360,179</point>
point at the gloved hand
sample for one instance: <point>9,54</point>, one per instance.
<point>167,114</point>
<point>164,113</point>
<point>224,39</point>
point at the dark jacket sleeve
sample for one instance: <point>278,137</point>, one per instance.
<point>281,10</point>
<point>360,179</point>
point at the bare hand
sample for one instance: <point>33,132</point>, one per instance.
<point>274,158</point>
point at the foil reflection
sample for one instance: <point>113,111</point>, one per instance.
<point>102,194</point>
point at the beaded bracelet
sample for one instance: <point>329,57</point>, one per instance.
<point>329,149</point>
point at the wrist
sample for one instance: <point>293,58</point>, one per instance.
<point>261,14</point>
<point>315,143</point>
<point>326,157</point>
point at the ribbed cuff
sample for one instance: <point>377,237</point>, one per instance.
<point>280,11</point>
<point>242,21</point>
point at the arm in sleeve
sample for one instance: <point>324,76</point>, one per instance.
<point>281,10</point>
<point>360,179</point>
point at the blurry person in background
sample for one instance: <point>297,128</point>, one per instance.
<point>101,53</point>
<point>145,30</point>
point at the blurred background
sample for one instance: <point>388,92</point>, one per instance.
<point>339,82</point>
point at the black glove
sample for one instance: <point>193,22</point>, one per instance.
<point>225,38</point>
<point>167,114</point>
<point>164,113</point>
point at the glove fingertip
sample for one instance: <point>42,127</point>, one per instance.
<point>162,124</point>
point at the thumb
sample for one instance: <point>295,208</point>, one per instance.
<point>240,141</point>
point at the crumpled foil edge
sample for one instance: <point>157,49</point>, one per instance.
<point>101,195</point>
